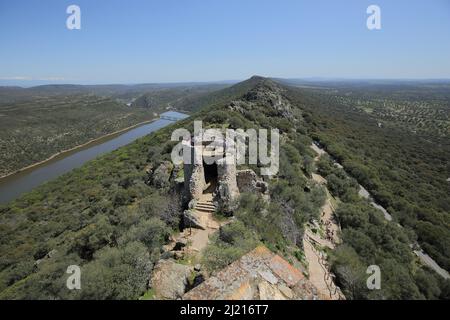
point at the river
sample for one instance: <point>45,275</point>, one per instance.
<point>16,184</point>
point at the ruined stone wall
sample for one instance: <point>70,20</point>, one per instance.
<point>227,191</point>
<point>248,181</point>
<point>194,175</point>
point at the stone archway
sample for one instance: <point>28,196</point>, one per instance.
<point>211,176</point>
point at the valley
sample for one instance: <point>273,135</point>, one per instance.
<point>28,178</point>
<point>123,216</point>
<point>41,122</point>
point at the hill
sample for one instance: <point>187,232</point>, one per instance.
<point>185,99</point>
<point>405,171</point>
<point>123,92</point>
<point>114,215</point>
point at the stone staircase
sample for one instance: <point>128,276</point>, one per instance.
<point>205,205</point>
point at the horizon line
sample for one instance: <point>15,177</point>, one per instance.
<point>200,82</point>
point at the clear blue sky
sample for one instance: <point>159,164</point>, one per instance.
<point>134,41</point>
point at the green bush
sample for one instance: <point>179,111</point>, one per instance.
<point>232,241</point>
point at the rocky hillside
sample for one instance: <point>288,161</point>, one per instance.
<point>183,98</point>
<point>118,216</point>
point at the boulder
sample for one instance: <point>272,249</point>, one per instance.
<point>194,219</point>
<point>192,204</point>
<point>259,274</point>
<point>161,175</point>
<point>248,181</point>
<point>286,291</point>
<point>170,279</point>
<point>167,255</point>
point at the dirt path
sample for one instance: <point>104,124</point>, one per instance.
<point>317,239</point>
<point>327,218</point>
<point>319,275</point>
<point>329,222</point>
<point>424,258</point>
<point>315,270</point>
<point>318,178</point>
<point>197,239</point>
<point>318,150</point>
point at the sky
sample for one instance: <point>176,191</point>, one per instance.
<point>142,41</point>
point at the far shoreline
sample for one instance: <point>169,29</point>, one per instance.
<point>86,144</point>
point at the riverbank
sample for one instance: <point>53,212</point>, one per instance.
<point>87,144</point>
<point>26,180</point>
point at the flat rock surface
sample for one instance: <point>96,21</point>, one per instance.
<point>169,279</point>
<point>260,275</point>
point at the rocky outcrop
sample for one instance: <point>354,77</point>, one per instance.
<point>248,181</point>
<point>170,279</point>
<point>260,274</point>
<point>160,177</point>
<point>194,219</point>
<point>268,94</point>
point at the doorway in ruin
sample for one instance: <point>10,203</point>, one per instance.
<point>210,171</point>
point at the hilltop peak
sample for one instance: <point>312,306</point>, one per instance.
<point>257,82</point>
<point>258,78</point>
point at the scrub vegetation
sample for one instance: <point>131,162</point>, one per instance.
<point>107,218</point>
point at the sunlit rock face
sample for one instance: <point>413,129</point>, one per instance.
<point>258,275</point>
<point>169,279</point>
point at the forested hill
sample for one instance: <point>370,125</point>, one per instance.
<point>113,215</point>
<point>407,173</point>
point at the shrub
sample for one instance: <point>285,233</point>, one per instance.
<point>233,241</point>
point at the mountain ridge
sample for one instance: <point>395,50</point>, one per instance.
<point>114,215</point>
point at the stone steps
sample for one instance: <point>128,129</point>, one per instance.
<point>203,209</point>
<point>205,203</point>
<point>205,206</point>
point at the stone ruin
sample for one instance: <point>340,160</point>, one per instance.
<point>212,169</point>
